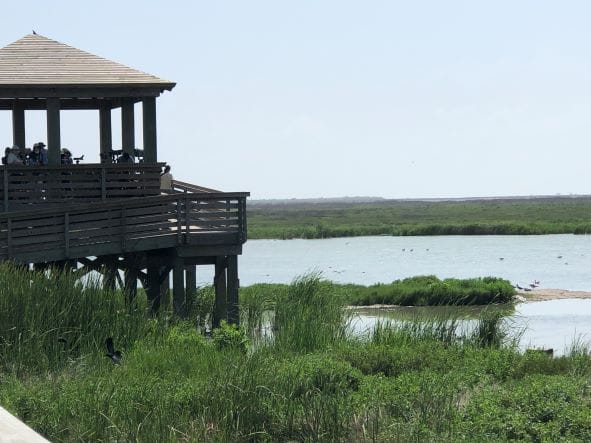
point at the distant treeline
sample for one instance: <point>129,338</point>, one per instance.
<point>401,218</point>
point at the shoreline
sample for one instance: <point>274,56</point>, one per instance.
<point>538,294</point>
<point>552,294</point>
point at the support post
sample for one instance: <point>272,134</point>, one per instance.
<point>178,288</point>
<point>131,275</point>
<point>233,290</point>
<point>53,132</point>
<point>219,282</point>
<point>149,129</point>
<point>153,268</point>
<point>191,285</point>
<point>109,272</point>
<point>105,132</point>
<point>165,288</point>
<point>18,124</point>
<point>128,127</point>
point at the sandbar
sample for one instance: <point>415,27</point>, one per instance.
<point>540,294</point>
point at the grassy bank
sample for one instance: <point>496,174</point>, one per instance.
<point>394,217</point>
<point>312,381</point>
<point>414,291</point>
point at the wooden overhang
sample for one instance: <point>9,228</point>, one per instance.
<point>36,68</point>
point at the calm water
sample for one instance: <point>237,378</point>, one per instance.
<point>557,261</point>
<point>556,324</point>
<point>368,260</point>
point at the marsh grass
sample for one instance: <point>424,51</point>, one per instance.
<point>412,381</point>
<point>308,316</point>
<point>256,302</point>
<point>49,318</point>
<point>391,217</point>
<point>431,291</point>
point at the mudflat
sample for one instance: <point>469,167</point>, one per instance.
<point>540,294</point>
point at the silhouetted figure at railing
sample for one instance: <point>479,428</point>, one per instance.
<point>166,178</point>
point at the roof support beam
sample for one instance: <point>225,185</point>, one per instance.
<point>105,132</point>
<point>53,132</point>
<point>149,127</point>
<point>46,91</point>
<point>128,127</point>
<point>18,124</point>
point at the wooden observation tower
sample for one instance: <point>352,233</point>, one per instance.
<point>109,217</point>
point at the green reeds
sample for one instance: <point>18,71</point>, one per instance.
<point>308,316</point>
<point>256,304</point>
<point>431,291</point>
<point>50,318</point>
<point>413,380</point>
<point>489,330</point>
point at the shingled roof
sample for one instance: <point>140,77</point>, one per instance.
<point>37,61</point>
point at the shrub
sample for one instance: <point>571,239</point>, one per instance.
<point>229,336</point>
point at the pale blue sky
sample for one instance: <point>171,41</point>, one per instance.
<point>334,98</point>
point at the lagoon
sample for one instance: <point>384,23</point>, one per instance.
<point>557,261</point>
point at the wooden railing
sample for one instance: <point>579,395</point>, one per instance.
<point>180,186</point>
<point>123,225</point>
<point>39,185</point>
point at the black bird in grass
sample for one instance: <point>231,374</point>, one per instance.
<point>114,355</point>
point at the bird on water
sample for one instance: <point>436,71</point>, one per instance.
<point>114,355</point>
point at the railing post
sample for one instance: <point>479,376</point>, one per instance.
<point>103,183</point>
<point>123,229</point>
<point>9,237</point>
<point>179,222</point>
<point>187,218</point>
<point>242,218</point>
<point>67,233</point>
<point>5,178</point>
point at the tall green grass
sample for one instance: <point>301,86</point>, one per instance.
<point>407,381</point>
<point>50,318</point>
<point>431,291</point>
<point>307,316</point>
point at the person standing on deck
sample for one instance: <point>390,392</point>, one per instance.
<point>12,158</point>
<point>166,178</point>
<point>39,148</point>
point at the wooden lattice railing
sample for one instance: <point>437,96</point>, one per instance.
<point>39,185</point>
<point>122,225</point>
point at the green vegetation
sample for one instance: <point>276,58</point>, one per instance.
<point>413,291</point>
<point>396,217</point>
<point>309,381</point>
<point>431,291</point>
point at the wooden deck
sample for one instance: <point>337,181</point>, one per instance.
<point>131,225</point>
<point>40,232</point>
